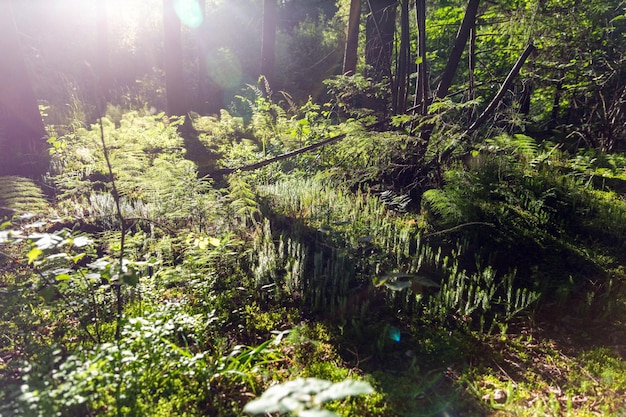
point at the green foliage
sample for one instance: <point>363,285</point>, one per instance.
<point>529,204</point>
<point>158,361</point>
<point>305,397</point>
<point>20,195</point>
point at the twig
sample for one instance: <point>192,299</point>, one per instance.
<point>261,164</point>
<point>459,226</point>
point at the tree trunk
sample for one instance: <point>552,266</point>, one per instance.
<point>202,99</point>
<point>211,94</point>
<point>22,133</point>
<point>471,64</point>
<point>379,35</point>
<point>401,85</point>
<point>105,81</point>
<point>491,107</point>
<point>421,86</point>
<point>268,42</point>
<point>352,38</point>
<point>469,21</point>
<point>174,76</point>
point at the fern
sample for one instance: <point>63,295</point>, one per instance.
<point>242,200</point>
<point>20,195</point>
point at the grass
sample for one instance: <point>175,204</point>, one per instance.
<point>239,289</point>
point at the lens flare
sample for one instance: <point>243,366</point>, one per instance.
<point>189,12</point>
<point>394,333</point>
<point>224,68</point>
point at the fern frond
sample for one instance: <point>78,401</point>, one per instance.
<point>18,194</point>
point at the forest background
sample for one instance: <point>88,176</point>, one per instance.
<point>422,202</point>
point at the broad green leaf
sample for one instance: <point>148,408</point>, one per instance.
<point>343,389</point>
<point>214,242</point>
<point>63,277</point>
<point>34,254</point>
<point>78,257</point>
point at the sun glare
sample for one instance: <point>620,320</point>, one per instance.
<point>189,12</point>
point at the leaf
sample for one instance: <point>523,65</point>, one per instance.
<point>365,239</point>
<point>343,389</point>
<point>81,241</point>
<point>63,277</point>
<point>130,277</point>
<point>425,281</point>
<point>46,240</point>
<point>215,242</point>
<point>47,293</point>
<point>34,254</point>
<point>78,257</point>
<point>397,285</point>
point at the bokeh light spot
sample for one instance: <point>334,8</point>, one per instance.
<point>189,12</point>
<point>394,333</point>
<point>224,68</point>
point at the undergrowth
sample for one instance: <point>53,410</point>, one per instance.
<point>308,268</point>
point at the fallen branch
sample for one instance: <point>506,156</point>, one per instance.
<point>261,164</point>
<point>457,227</point>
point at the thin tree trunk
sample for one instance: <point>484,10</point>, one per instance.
<point>469,21</point>
<point>556,104</point>
<point>174,76</point>
<point>352,38</point>
<point>471,63</point>
<point>421,86</point>
<point>103,62</point>
<point>503,88</point>
<point>22,133</point>
<point>379,35</point>
<point>268,41</point>
<point>404,54</point>
<point>202,101</point>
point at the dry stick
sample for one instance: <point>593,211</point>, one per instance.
<point>295,152</point>
<point>452,229</point>
<point>530,48</point>
<point>481,119</point>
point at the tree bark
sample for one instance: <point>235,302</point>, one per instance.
<point>421,86</point>
<point>471,66</point>
<point>22,133</point>
<point>268,41</point>
<point>401,84</point>
<point>174,76</point>
<point>379,35</point>
<point>105,80</point>
<point>469,21</point>
<point>352,38</point>
<point>503,88</point>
